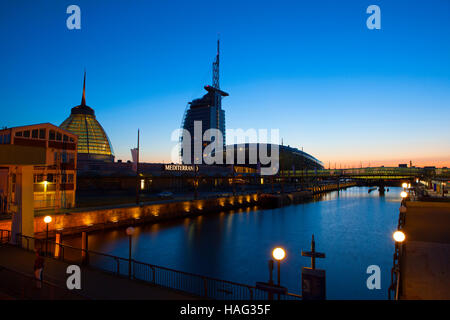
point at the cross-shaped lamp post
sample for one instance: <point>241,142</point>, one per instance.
<point>313,254</point>
<point>313,280</point>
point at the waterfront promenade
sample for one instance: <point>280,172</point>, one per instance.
<point>425,262</point>
<point>16,281</point>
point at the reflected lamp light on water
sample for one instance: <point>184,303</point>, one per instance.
<point>403,194</point>
<point>399,236</point>
<point>278,254</point>
<point>47,219</point>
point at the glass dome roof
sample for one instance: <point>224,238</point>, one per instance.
<point>93,143</point>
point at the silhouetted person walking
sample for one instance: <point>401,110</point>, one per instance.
<point>5,204</point>
<point>38,269</point>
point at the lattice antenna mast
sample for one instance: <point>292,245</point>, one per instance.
<point>215,82</point>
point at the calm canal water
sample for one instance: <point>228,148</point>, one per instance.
<point>353,228</point>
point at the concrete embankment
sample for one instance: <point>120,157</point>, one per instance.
<point>98,218</point>
<point>90,219</point>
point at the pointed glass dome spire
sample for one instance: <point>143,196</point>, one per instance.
<point>93,143</point>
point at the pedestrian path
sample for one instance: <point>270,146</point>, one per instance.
<point>425,263</point>
<point>16,281</point>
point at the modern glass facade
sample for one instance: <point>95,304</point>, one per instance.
<point>211,115</point>
<point>207,110</point>
<point>93,143</point>
<point>92,139</point>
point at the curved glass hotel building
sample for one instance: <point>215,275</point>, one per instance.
<point>93,143</point>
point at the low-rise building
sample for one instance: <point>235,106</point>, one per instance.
<point>54,183</point>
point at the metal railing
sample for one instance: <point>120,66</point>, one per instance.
<point>194,284</point>
<point>395,285</point>
<point>395,275</point>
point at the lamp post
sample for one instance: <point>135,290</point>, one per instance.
<point>47,220</point>
<point>399,238</point>
<point>270,278</point>
<point>404,195</point>
<point>130,232</point>
<point>278,254</point>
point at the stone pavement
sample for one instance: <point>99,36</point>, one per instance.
<point>16,281</point>
<point>425,263</point>
<point>15,285</point>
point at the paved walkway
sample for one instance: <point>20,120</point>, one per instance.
<point>425,263</point>
<point>16,272</point>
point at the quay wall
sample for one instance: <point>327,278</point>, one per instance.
<point>102,218</point>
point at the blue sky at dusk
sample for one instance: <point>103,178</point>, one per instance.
<point>312,69</point>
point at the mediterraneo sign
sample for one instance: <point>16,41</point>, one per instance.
<point>179,167</point>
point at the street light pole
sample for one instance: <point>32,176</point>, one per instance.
<point>47,220</point>
<point>129,231</point>
<point>278,254</point>
<point>278,270</point>
<point>46,242</point>
<point>270,278</point>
